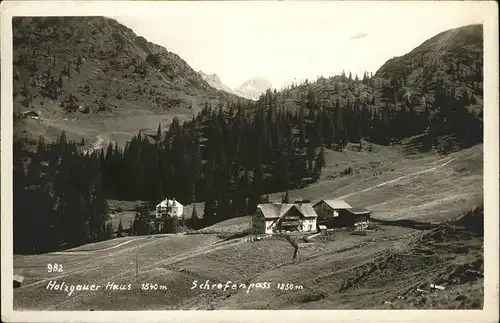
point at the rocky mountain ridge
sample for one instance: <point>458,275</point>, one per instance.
<point>251,89</point>
<point>62,63</point>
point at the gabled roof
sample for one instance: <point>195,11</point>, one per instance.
<point>274,210</point>
<point>359,210</point>
<point>168,202</point>
<point>277,210</point>
<point>306,209</point>
<point>30,112</point>
<point>18,278</point>
<point>336,204</point>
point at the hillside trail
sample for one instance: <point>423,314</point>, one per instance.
<point>405,176</point>
<point>88,252</point>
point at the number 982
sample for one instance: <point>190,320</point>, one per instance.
<point>54,268</point>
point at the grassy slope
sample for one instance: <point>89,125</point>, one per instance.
<point>456,187</point>
<point>113,265</point>
<point>381,271</point>
<point>444,191</point>
<point>235,225</point>
<point>177,260</point>
<point>112,129</point>
<point>112,57</point>
<point>431,196</point>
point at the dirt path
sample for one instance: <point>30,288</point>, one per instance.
<point>403,177</point>
<point>88,252</point>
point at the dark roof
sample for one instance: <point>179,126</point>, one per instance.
<point>30,112</point>
<point>359,210</point>
<point>274,210</point>
<point>277,210</point>
<point>336,204</point>
<point>18,278</point>
<point>306,209</point>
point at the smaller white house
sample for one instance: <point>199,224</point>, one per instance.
<point>169,207</point>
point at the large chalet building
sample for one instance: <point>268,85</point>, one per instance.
<point>284,217</point>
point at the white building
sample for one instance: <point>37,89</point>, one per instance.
<point>169,207</point>
<point>278,217</point>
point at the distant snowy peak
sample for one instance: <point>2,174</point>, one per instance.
<point>250,89</point>
<point>253,88</point>
<point>214,81</point>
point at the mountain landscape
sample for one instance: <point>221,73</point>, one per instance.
<point>117,124</point>
<point>251,89</point>
<point>214,81</point>
<point>89,75</point>
<point>452,58</point>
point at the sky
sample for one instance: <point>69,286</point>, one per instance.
<point>282,41</point>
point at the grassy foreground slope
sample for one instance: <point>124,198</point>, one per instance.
<point>347,272</point>
<point>385,274</point>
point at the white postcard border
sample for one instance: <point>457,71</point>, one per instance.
<point>116,8</point>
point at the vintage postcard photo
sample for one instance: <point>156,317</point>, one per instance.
<point>214,156</point>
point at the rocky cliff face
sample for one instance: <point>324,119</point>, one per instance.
<point>214,81</point>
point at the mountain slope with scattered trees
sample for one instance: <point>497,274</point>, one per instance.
<point>229,157</point>
<point>453,59</point>
<point>435,89</point>
<point>77,67</point>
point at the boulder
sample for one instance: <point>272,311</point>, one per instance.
<point>83,109</point>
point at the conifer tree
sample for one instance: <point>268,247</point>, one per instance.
<point>119,231</point>
<point>194,220</point>
<point>319,164</point>
<point>286,198</point>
